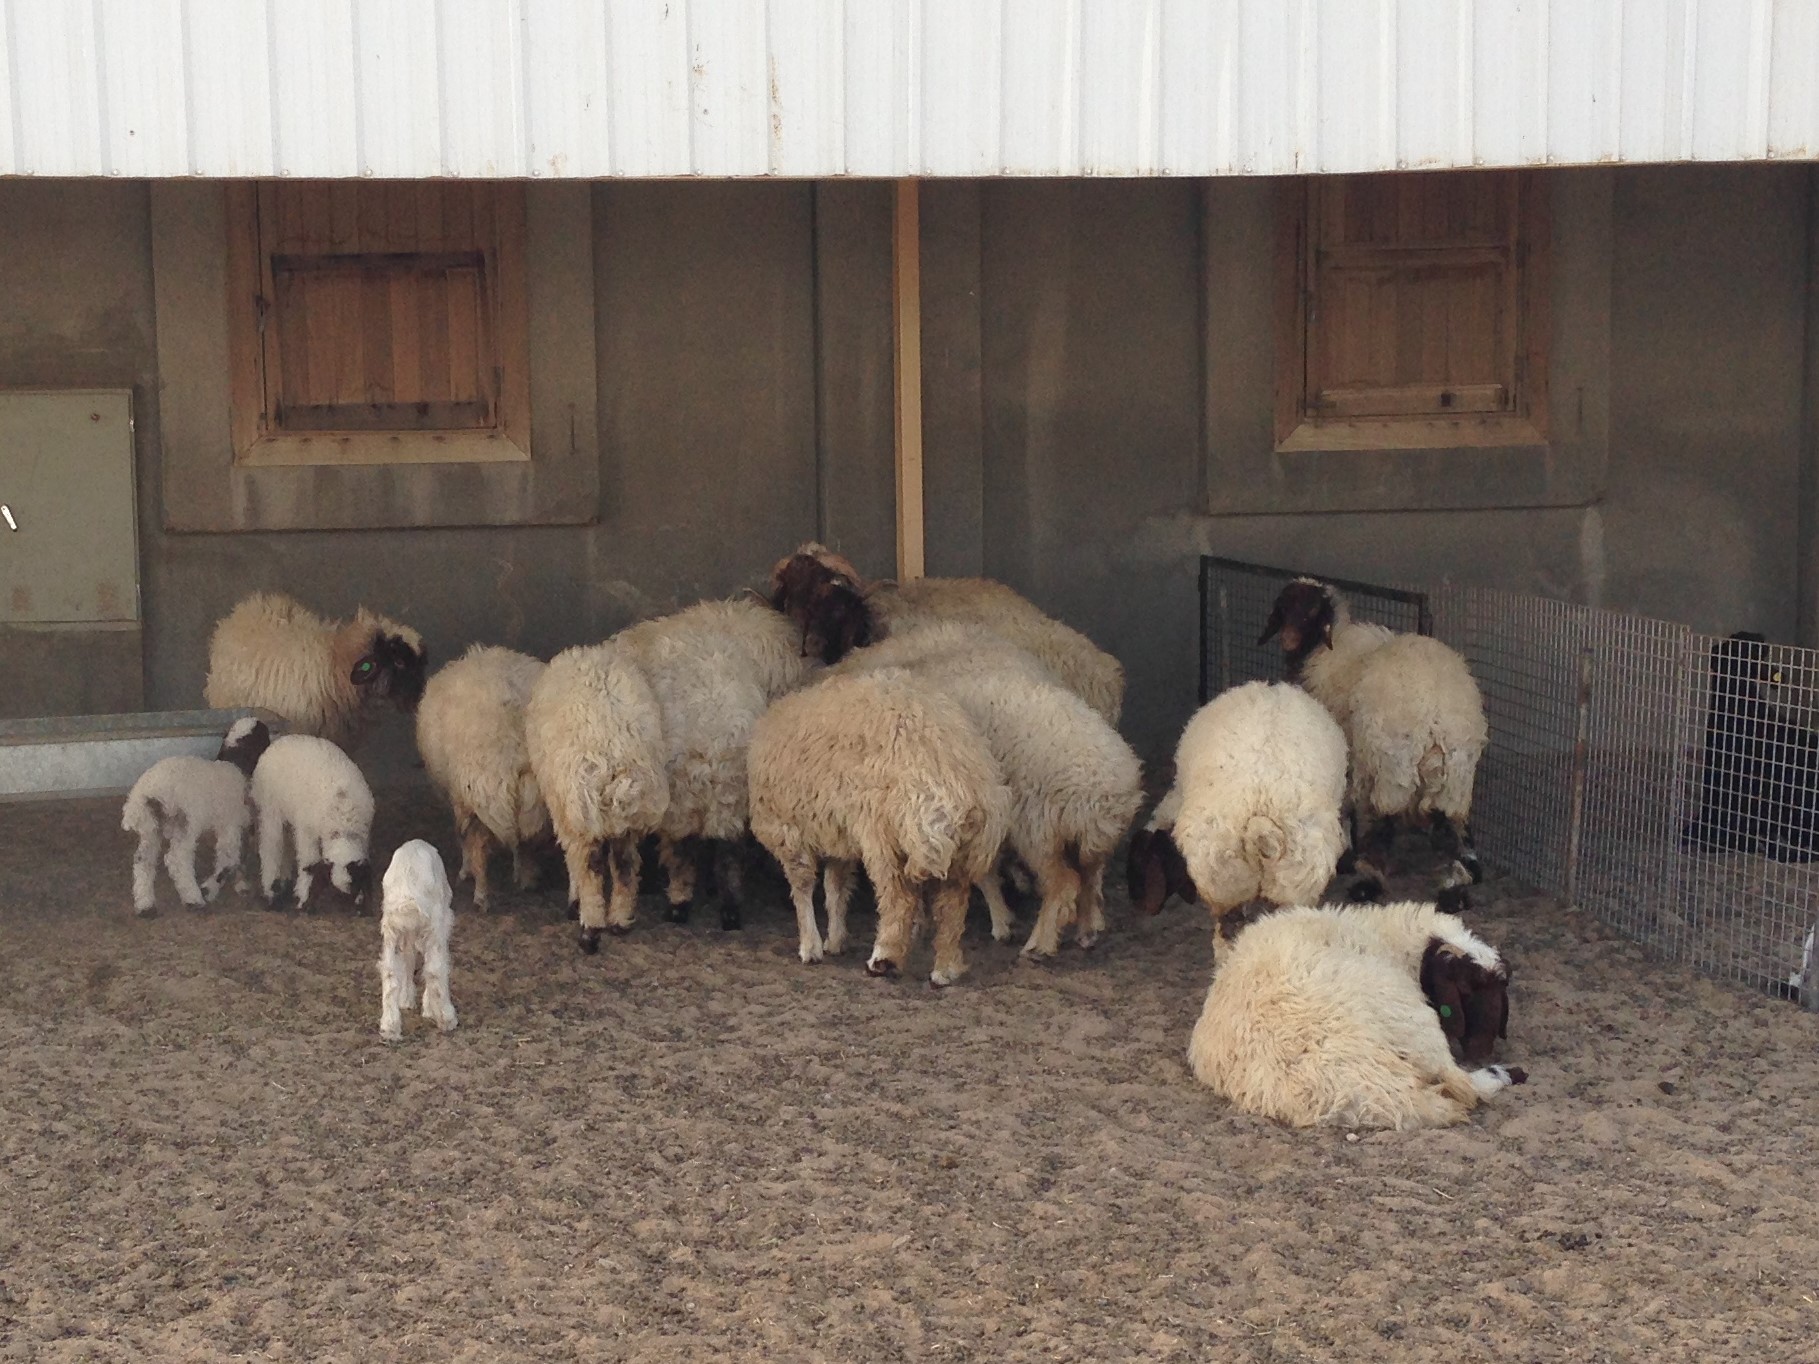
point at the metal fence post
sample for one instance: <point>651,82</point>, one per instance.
<point>1581,759</point>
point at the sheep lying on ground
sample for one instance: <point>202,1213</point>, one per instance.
<point>595,737</point>
<point>417,917</point>
<point>882,769</point>
<point>1412,715</point>
<point>1075,784</point>
<point>323,677</point>
<point>1317,1017</point>
<point>181,799</point>
<point>470,731</point>
<point>1259,779</point>
<point>901,607</point>
<point>311,787</point>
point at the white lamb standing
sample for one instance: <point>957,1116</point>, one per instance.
<point>311,787</point>
<point>414,926</point>
<point>180,800</point>
<point>1317,1017</point>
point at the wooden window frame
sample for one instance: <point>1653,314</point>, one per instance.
<point>1298,429</point>
<point>250,285</point>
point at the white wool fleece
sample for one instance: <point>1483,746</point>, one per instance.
<point>414,927</point>
<point>309,786</point>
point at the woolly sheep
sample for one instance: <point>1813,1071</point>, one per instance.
<point>184,798</point>
<point>308,785</point>
<point>881,769</point>
<point>1316,1017</point>
<point>1153,866</point>
<point>470,731</point>
<point>901,607</point>
<point>1412,715</point>
<point>1075,784</point>
<point>417,916</point>
<point>1259,779</point>
<point>595,737</point>
<point>322,677</point>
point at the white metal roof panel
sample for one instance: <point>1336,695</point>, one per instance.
<point>594,88</point>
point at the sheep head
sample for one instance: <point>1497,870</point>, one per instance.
<point>1154,869</point>
<point>393,667</point>
<point>245,741</point>
<point>823,594</point>
<point>1304,615</point>
<point>1472,1000</point>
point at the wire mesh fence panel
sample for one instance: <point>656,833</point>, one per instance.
<point>1235,602</point>
<point>1527,656</point>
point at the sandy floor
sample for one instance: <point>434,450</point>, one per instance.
<point>693,1147</point>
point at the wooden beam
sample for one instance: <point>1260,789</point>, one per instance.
<point>906,311</point>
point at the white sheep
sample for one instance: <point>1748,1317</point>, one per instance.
<point>184,798</point>
<point>309,786</point>
<point>1075,784</point>
<point>1317,1017</point>
<point>1259,780</point>
<point>882,769</point>
<point>594,732</point>
<point>901,607</point>
<point>470,731</point>
<point>1412,715</point>
<point>322,677</point>
<point>417,917</point>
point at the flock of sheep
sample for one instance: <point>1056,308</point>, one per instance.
<point>941,734</point>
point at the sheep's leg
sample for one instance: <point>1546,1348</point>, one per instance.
<point>1452,838</point>
<point>837,882</point>
<point>680,859</point>
<point>180,862</point>
<point>949,910</point>
<point>1060,886</point>
<point>799,870</point>
<point>586,890</point>
<point>1091,912</point>
<point>228,844</point>
<point>1372,864</point>
<point>1004,923</point>
<point>438,1007</point>
<point>309,855</point>
<point>476,843</point>
<point>271,860</point>
<point>394,988</point>
<point>897,906</point>
<point>145,870</point>
<point>729,884</point>
<point>620,864</point>
<point>524,869</point>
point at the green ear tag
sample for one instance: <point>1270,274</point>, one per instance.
<point>1446,1010</point>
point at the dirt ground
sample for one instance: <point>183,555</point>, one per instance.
<point>692,1147</point>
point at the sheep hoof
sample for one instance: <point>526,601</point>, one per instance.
<point>810,955</point>
<point>280,891</point>
<point>1086,942</point>
<point>881,967</point>
<point>676,914</point>
<point>1037,951</point>
<point>942,979</point>
<point>730,920</point>
<point>1453,900</point>
<point>618,930</point>
<point>574,911</point>
<point>146,911</point>
<point>1518,1076</point>
<point>590,940</point>
<point>392,1034</point>
<point>1473,867</point>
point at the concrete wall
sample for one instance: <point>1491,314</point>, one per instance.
<point>742,344</point>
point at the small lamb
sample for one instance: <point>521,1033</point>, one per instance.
<point>180,799</point>
<point>310,786</point>
<point>418,916</point>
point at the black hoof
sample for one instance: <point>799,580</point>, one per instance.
<point>1518,1076</point>
<point>881,969</point>
<point>730,921</point>
<point>590,940</point>
<point>1364,891</point>
<point>574,911</point>
<point>279,893</point>
<point>676,914</point>
<point>1453,900</point>
<point>618,930</point>
<point>1471,863</point>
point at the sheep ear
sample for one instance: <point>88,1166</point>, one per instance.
<point>1273,625</point>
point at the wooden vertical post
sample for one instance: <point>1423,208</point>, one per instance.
<point>906,311</point>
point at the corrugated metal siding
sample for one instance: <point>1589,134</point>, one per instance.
<point>592,88</point>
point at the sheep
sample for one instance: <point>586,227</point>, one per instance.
<point>417,916</point>
<point>882,769</point>
<point>1075,783</point>
<point>1316,1017</point>
<point>1413,717</point>
<point>184,797</point>
<point>322,677</point>
<point>901,607</point>
<point>1259,780</point>
<point>594,732</point>
<point>470,731</point>
<point>308,785</point>
<point>1153,866</point>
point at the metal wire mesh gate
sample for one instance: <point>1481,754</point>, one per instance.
<point>1661,779</point>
